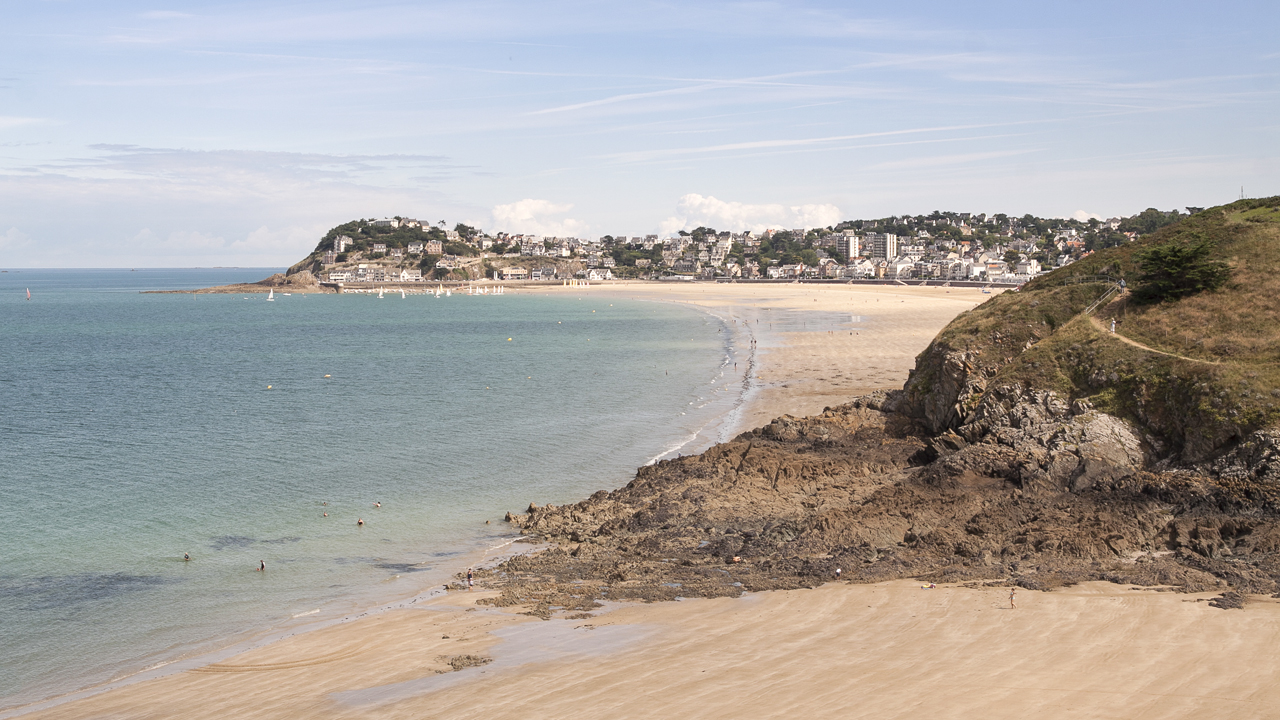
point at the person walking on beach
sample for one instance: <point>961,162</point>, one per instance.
<point>471,579</point>
<point>1013,598</point>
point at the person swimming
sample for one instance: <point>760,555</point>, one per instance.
<point>262,565</point>
<point>360,522</point>
<point>186,556</point>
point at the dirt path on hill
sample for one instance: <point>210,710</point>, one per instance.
<point>1103,329</point>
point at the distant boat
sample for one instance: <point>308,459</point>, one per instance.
<point>271,295</point>
<point>401,293</point>
<point>448,293</point>
<point>379,293</point>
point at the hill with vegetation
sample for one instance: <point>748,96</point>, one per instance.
<point>1031,446</point>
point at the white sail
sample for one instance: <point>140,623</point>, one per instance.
<point>271,295</point>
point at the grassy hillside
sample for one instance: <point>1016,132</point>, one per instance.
<point>1198,372</point>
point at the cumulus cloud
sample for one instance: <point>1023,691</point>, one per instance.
<point>694,210</point>
<point>536,217</point>
<point>1084,216</point>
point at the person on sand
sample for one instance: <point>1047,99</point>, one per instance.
<point>471,579</point>
<point>1013,598</point>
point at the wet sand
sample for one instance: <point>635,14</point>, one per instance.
<point>800,369</point>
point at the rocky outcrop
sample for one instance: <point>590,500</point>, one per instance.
<point>1050,494</point>
<point>300,279</point>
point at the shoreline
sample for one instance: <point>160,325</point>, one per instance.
<point>471,552</point>
<point>765,380</point>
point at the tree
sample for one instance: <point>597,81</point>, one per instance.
<point>1177,269</point>
<point>1150,220</point>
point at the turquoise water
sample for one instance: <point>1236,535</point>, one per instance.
<point>138,427</point>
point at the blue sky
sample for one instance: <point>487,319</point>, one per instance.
<point>151,134</point>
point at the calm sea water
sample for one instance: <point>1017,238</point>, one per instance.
<point>138,427</point>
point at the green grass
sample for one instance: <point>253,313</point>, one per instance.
<point>1234,331</point>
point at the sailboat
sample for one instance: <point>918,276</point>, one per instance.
<point>448,293</point>
<point>401,293</point>
<point>271,295</point>
<point>379,293</point>
<point>28,293</point>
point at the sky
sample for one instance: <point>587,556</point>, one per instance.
<point>152,134</point>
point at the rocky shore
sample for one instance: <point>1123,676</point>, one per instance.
<point>1030,448</point>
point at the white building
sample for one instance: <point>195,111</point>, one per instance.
<point>883,245</point>
<point>848,245</point>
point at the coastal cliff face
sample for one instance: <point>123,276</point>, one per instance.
<point>1030,446</point>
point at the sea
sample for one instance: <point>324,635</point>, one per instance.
<point>138,430</point>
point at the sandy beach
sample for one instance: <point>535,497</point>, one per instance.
<point>800,372</point>
<point>888,650</point>
<point>893,650</point>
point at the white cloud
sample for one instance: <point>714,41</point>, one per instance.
<point>694,210</point>
<point>537,217</point>
<point>1084,216</point>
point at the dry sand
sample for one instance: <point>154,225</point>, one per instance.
<point>892,650</point>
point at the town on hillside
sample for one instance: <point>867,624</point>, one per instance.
<point>946,246</point>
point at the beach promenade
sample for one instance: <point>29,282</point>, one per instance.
<point>889,650</point>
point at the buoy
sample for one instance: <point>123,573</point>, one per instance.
<point>530,377</point>
<point>326,376</point>
<point>268,387</point>
<point>508,339</point>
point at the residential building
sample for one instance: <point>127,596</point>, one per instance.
<point>341,276</point>
<point>341,243</point>
<point>511,273</point>
<point>415,248</point>
<point>685,265</point>
<point>848,246</point>
<point>379,247</point>
<point>386,222</point>
<point>882,245</point>
<point>433,247</point>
